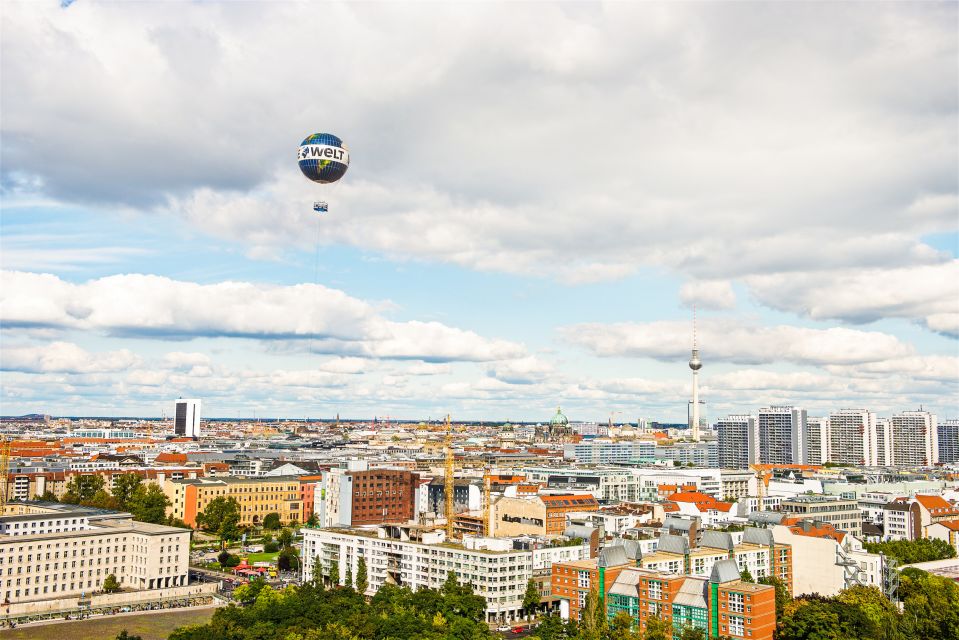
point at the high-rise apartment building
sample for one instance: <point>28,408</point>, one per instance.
<point>738,441</point>
<point>884,442</point>
<point>782,434</point>
<point>948,436</point>
<point>186,418</point>
<point>817,440</point>
<point>914,438</point>
<point>853,437</point>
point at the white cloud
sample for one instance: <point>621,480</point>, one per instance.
<point>428,369</point>
<point>928,292</point>
<point>736,341</point>
<point>64,357</point>
<point>521,371</point>
<point>711,294</point>
<point>836,152</point>
<point>328,320</point>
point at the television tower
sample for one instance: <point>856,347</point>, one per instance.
<point>695,364</point>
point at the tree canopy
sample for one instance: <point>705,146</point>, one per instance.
<point>912,551</point>
<point>307,613</point>
<point>221,516</point>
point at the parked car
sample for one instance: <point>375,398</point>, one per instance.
<point>519,629</point>
<point>503,627</point>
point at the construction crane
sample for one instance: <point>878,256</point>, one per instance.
<point>449,482</point>
<point>5,445</point>
<point>763,474</point>
<point>487,480</point>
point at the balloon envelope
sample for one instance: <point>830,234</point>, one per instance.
<point>323,158</point>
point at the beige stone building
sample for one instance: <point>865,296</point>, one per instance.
<point>54,551</point>
<point>257,497</point>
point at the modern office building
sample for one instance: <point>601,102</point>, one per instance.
<point>186,418</point>
<point>853,437</point>
<point>843,514</point>
<point>737,441</point>
<point>817,440</point>
<point>50,550</point>
<point>948,437</point>
<point>914,438</point>
<point>782,435</point>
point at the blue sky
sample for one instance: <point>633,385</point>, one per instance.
<point>536,196</point>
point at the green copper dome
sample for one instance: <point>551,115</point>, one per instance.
<point>559,420</point>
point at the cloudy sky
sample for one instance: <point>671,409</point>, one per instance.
<point>538,194</point>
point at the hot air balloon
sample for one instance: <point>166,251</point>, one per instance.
<point>323,158</point>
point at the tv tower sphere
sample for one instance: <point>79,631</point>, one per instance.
<point>694,362</point>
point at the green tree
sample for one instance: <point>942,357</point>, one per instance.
<point>594,623</point>
<point>221,516</point>
<point>912,551</point>
<point>316,575</point>
<point>531,598</point>
<point>657,629</point>
<point>313,521</point>
<point>690,632</point>
<point>125,635</point>
<point>288,560</point>
<point>272,521</point>
<point>334,573</point>
<point>111,584</point>
<point>930,606</point>
<point>83,487</point>
<point>362,579</point>
<point>782,593</point>
<point>246,594</point>
<point>349,576</point>
<point>285,538</point>
<point>148,503</point>
<point>48,496</point>
<point>810,618</point>
<point>621,627</point>
<point>883,616</point>
<point>745,576</point>
<point>123,488</point>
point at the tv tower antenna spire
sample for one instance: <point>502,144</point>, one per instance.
<point>695,364</point>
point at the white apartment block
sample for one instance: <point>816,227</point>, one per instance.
<point>915,438</point>
<point>55,551</point>
<point>884,451</point>
<point>818,440</point>
<point>853,437</point>
<point>738,441</point>
<point>782,435</point>
<point>416,559</point>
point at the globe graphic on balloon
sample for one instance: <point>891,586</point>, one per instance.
<point>323,158</point>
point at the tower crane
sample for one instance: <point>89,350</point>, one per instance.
<point>763,475</point>
<point>5,445</point>
<point>487,481</point>
<point>449,482</point>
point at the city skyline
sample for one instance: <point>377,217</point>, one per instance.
<point>537,196</point>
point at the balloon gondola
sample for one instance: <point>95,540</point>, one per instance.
<point>324,159</point>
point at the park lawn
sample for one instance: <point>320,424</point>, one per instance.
<point>150,626</point>
<point>261,557</point>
